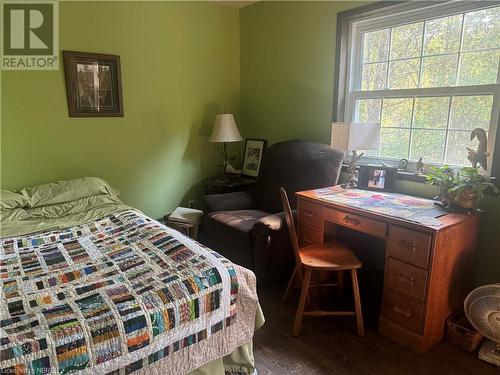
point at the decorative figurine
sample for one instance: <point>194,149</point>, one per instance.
<point>352,182</point>
<point>480,156</point>
<point>420,166</point>
<point>352,171</point>
<point>403,164</point>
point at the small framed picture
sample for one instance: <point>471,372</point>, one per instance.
<point>93,84</point>
<point>377,178</point>
<point>254,149</point>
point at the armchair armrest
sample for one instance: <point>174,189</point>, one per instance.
<point>275,222</point>
<point>239,200</point>
<point>273,254</point>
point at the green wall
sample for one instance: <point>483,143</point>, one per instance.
<point>287,78</point>
<point>180,66</point>
<point>287,68</point>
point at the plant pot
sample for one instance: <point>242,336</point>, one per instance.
<point>467,200</point>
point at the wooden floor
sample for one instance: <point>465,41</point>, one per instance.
<point>329,345</point>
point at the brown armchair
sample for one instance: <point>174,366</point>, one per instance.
<point>249,227</point>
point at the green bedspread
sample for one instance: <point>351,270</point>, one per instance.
<point>70,203</point>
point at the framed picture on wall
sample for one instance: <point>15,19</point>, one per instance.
<point>93,84</point>
<point>254,149</point>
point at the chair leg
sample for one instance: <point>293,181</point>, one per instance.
<point>357,303</point>
<point>340,281</point>
<point>290,283</point>
<point>300,309</point>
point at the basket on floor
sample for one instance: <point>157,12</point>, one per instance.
<point>461,333</point>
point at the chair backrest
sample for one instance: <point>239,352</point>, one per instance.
<point>295,165</point>
<point>290,223</point>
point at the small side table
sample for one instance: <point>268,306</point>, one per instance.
<point>189,229</point>
<point>240,183</point>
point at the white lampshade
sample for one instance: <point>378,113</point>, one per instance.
<point>225,129</point>
<point>348,136</point>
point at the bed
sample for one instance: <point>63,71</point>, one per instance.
<point>92,286</point>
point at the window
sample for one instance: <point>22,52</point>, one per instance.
<point>428,75</point>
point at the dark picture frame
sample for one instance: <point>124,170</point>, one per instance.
<point>377,178</point>
<point>93,84</point>
<point>252,158</point>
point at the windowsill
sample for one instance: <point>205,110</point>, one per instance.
<point>412,177</point>
<point>403,176</point>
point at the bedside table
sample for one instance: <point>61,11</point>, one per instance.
<point>189,229</point>
<point>213,186</point>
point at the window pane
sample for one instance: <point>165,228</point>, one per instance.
<point>368,110</point>
<point>479,68</point>
<point>442,35</point>
<point>397,112</point>
<point>403,74</point>
<point>470,112</point>
<point>456,152</point>
<point>439,71</point>
<point>406,41</point>
<point>373,76</point>
<point>462,50</point>
<point>431,112</point>
<point>482,29</point>
<point>376,46</point>
<point>394,143</point>
<point>428,144</point>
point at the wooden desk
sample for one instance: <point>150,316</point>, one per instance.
<point>428,269</point>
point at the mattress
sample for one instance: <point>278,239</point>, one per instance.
<point>114,293</point>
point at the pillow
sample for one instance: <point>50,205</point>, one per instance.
<point>10,200</point>
<point>67,191</point>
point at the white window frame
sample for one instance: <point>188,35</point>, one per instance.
<point>396,15</point>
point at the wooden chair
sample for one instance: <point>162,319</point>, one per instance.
<point>331,256</point>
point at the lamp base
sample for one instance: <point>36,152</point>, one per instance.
<point>225,178</point>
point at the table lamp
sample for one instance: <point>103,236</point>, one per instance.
<point>350,136</point>
<point>224,131</point>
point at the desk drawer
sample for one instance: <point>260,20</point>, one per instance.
<point>405,278</point>
<point>360,223</point>
<point>310,214</point>
<point>409,246</point>
<point>309,235</point>
<point>402,311</point>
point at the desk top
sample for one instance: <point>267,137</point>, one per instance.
<point>391,207</point>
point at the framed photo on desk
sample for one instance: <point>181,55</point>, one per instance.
<point>377,178</point>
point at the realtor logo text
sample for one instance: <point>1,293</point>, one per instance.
<point>30,35</point>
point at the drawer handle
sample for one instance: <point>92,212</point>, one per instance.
<point>351,220</point>
<point>410,280</point>
<point>406,313</point>
<point>408,245</point>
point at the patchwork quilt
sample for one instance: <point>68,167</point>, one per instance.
<point>117,295</point>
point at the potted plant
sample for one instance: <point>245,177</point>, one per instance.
<point>463,189</point>
<point>444,178</point>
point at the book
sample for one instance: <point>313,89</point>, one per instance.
<point>185,215</point>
